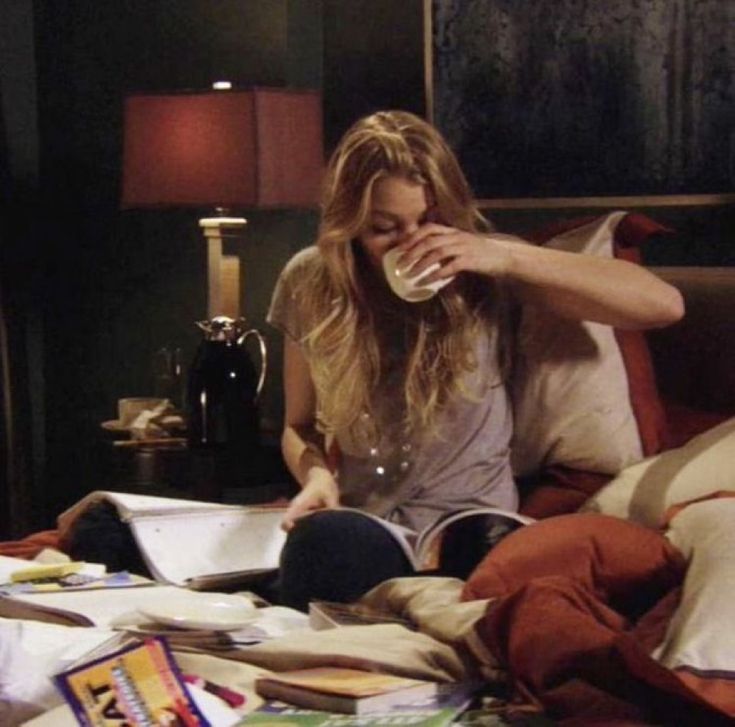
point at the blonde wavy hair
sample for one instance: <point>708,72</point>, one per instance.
<point>352,347</point>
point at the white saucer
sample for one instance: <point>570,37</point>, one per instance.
<point>210,612</point>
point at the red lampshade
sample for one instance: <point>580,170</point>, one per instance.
<point>261,147</point>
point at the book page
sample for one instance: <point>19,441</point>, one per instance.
<point>130,505</point>
<point>478,528</point>
<point>343,680</point>
<point>179,547</point>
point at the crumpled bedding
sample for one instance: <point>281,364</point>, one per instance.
<point>578,605</point>
<point>437,650</point>
<point>566,613</point>
<point>30,546</point>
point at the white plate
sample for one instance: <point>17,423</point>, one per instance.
<point>210,612</point>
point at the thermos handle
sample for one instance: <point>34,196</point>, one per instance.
<point>263,356</point>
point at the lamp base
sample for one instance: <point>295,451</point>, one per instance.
<point>223,271</point>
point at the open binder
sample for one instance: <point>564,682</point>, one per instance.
<point>198,545</point>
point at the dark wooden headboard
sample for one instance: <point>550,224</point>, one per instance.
<point>695,358</point>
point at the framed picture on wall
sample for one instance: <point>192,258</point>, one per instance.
<point>571,99</point>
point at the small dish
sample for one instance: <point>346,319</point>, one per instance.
<point>215,612</point>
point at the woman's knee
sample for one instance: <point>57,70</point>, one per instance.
<point>337,555</point>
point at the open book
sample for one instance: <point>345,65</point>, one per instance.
<point>457,541</point>
<point>339,689</point>
<point>204,545</point>
<point>195,544</point>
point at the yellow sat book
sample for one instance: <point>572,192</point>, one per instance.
<point>336,689</point>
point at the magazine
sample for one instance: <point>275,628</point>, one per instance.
<point>139,683</point>
<point>456,542</point>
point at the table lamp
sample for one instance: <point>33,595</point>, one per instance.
<point>222,151</point>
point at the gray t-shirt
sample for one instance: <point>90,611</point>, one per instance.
<point>464,464</point>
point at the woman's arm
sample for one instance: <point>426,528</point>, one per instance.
<point>585,287</point>
<point>582,287</point>
<point>302,445</point>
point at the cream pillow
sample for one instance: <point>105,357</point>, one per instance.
<point>570,388</point>
<point>699,645</point>
<point>644,491</point>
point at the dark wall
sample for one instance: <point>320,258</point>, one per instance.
<point>20,314</point>
<point>589,99</point>
<point>594,99</point>
<point>373,59</point>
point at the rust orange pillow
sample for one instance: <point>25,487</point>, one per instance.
<point>624,564</point>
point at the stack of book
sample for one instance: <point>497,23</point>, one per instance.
<point>340,697</point>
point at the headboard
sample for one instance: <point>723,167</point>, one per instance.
<point>695,358</point>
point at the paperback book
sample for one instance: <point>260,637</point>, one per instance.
<point>442,708</point>
<point>73,582</point>
<point>337,689</point>
<point>329,614</point>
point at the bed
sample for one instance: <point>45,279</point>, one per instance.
<point>615,607</point>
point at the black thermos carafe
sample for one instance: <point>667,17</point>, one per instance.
<point>223,390</point>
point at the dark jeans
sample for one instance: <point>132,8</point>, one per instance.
<point>337,555</point>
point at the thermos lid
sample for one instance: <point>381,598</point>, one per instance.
<point>222,328</point>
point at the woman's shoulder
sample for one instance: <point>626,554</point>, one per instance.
<point>306,261</point>
<point>295,302</point>
<point>302,275</point>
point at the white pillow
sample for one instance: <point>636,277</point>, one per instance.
<point>699,645</point>
<point>643,492</point>
<point>570,387</point>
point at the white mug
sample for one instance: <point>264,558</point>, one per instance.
<point>406,286</point>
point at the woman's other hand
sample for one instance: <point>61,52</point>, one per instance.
<point>319,492</point>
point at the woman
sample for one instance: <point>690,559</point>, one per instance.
<point>400,408</point>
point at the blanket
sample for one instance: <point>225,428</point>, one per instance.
<point>589,618</point>
<point>577,606</point>
<point>30,546</point>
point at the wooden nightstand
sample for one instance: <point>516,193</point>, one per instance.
<point>173,469</point>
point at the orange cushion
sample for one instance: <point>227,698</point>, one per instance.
<point>624,564</point>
